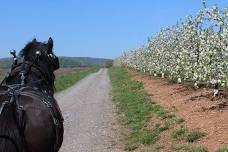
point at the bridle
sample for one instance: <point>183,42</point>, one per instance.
<point>53,59</point>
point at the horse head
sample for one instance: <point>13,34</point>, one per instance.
<point>38,66</point>
<point>41,54</point>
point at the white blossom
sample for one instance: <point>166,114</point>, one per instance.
<point>194,50</point>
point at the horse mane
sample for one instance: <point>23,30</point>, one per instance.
<point>25,51</point>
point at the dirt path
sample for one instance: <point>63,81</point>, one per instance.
<point>194,107</point>
<point>89,115</point>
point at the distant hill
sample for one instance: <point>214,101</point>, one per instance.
<point>5,63</point>
<point>81,61</point>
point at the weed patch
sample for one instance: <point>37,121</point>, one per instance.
<point>185,134</point>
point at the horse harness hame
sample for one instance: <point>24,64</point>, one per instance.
<point>13,92</point>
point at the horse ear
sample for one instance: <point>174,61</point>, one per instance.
<point>34,40</point>
<point>50,45</point>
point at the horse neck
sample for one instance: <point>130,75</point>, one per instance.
<point>43,84</point>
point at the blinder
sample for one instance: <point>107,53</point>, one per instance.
<point>54,61</point>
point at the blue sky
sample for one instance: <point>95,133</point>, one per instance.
<point>90,28</point>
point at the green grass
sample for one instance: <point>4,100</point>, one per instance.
<point>179,134</point>
<point>2,74</point>
<point>223,149</point>
<point>194,135</point>
<point>185,134</point>
<point>135,108</point>
<point>65,81</point>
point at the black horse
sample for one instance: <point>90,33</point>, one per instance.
<point>30,118</point>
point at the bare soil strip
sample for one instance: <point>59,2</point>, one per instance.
<point>198,108</point>
<point>89,115</point>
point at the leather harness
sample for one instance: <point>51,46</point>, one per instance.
<point>16,90</point>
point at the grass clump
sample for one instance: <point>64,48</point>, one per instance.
<point>188,136</point>
<point>179,134</point>
<point>194,135</point>
<point>65,81</point>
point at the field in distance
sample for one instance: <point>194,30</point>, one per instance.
<point>65,62</point>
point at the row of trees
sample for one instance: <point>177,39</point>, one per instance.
<point>194,50</point>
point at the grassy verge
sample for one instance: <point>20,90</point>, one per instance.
<point>135,108</point>
<point>65,81</point>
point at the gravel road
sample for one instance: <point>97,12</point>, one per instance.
<point>89,115</point>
